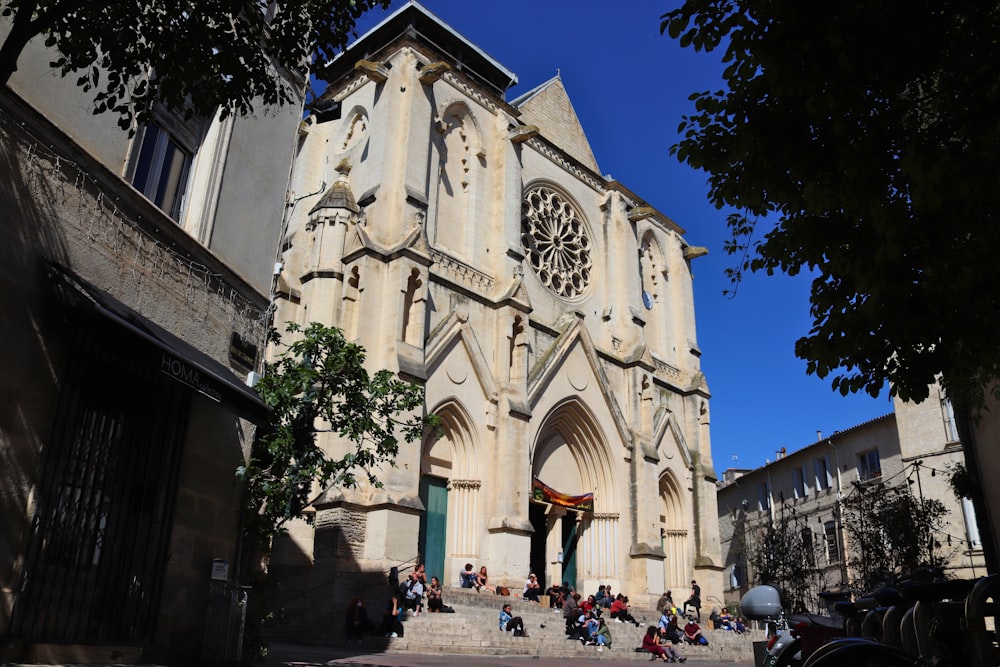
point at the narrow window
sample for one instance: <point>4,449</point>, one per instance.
<point>765,497</point>
<point>869,465</point>
<point>832,547</point>
<point>948,415</point>
<point>798,483</point>
<point>161,170</point>
<point>971,526</point>
<point>822,469</point>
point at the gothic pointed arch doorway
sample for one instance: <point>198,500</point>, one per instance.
<point>571,456</point>
<point>449,490</point>
<point>674,535</point>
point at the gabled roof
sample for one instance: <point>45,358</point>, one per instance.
<point>548,107</point>
<point>416,21</point>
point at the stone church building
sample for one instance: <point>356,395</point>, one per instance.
<point>470,243</point>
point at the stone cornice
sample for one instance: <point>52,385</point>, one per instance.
<point>455,269</point>
<point>567,163</point>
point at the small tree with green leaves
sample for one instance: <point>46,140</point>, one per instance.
<point>891,533</point>
<point>319,383</point>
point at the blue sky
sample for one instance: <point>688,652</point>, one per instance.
<point>629,86</point>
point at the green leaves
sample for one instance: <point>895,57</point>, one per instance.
<point>226,55</point>
<point>319,385</point>
<point>892,533</point>
<point>865,149</point>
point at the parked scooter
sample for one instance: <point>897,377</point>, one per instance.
<point>763,603</point>
<point>790,638</point>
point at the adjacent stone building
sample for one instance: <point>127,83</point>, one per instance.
<point>470,243</point>
<point>917,445</point>
<point>136,273</point>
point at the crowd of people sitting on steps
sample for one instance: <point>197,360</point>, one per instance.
<point>586,619</point>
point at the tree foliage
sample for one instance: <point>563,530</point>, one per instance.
<point>194,56</point>
<point>861,144</point>
<point>783,553</point>
<point>319,383</point>
<point>892,534</point>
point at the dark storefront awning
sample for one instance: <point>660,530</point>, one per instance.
<point>180,360</point>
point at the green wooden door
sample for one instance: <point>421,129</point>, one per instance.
<point>433,525</point>
<point>570,537</point>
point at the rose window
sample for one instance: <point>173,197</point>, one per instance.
<point>555,242</point>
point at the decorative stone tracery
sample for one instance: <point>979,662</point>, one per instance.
<point>555,242</point>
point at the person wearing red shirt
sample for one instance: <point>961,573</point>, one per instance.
<point>665,653</point>
<point>620,612</point>
<point>692,633</point>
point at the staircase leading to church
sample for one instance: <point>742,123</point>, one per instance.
<point>472,629</point>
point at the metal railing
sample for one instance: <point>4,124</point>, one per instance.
<point>225,621</point>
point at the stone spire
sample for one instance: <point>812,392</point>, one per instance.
<point>339,195</point>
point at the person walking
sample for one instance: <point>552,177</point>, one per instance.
<point>694,600</point>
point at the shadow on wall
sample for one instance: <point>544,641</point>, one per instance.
<point>30,235</point>
<point>313,590</point>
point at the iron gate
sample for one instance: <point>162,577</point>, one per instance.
<point>94,567</point>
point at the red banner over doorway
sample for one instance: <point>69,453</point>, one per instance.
<point>544,493</point>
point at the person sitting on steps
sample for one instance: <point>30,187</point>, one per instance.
<point>434,600</point>
<point>356,623</point>
<point>664,653</point>
<point>620,612</point>
<point>467,578</point>
<point>532,589</point>
<point>482,581</point>
<point>672,632</point>
<point>665,604</point>
<point>692,633</point>
<point>725,620</point>
<point>600,595</point>
<point>556,597</point>
<point>510,623</point>
<point>603,634</point>
<point>608,598</point>
<point>391,627</point>
<point>414,594</point>
<point>589,624</point>
<point>571,610</point>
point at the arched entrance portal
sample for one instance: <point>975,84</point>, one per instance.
<point>674,537</point>
<point>449,490</point>
<point>572,457</point>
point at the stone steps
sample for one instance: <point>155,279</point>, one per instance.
<point>473,630</point>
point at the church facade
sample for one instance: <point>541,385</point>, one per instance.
<point>471,244</point>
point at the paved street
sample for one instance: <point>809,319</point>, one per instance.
<point>313,656</point>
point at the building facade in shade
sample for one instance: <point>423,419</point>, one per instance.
<point>916,446</point>
<point>470,243</point>
<point>136,273</point>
